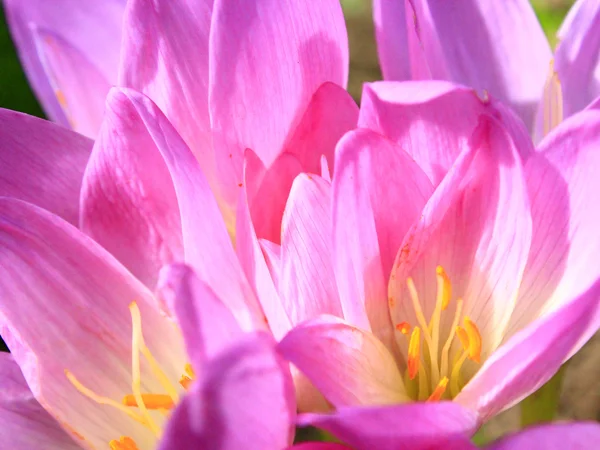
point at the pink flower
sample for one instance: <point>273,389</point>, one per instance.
<point>464,261</point>
<point>499,48</point>
<point>229,75</point>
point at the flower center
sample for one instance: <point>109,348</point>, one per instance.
<point>428,376</point>
<point>144,402</point>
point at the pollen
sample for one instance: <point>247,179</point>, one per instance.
<point>414,350</point>
<point>404,328</point>
<point>124,443</point>
<point>439,390</point>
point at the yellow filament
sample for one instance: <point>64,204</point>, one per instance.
<point>454,378</point>
<point>423,383</point>
<point>439,390</point>
<point>474,339</point>
<point>444,292</point>
<point>552,101</point>
<point>124,443</point>
<point>448,344</point>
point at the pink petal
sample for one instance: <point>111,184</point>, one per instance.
<point>245,399</point>
<point>165,56</point>
<point>307,282</point>
<point>391,34</point>
<point>64,303</point>
<point>577,56</point>
<point>556,436</point>
<point>378,193</point>
<point>432,121</point>
<point>563,183</point>
<point>79,86</point>
<point>25,423</point>
<point>531,356</point>
<point>477,226</point>
<point>417,426</point>
<point>267,59</point>
<point>272,255</point>
<point>42,163</point>
<point>349,366</point>
<point>318,446</point>
<point>499,48</point>
<point>90,28</point>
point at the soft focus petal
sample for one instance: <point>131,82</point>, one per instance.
<point>417,426</point>
<point>577,56</point>
<point>485,45</point>
<point>379,191</point>
<point>531,357</point>
<point>318,446</point>
<point>165,56</point>
<point>87,27</point>
<point>307,283</point>
<point>245,399</point>
<point>477,226</point>
<point>391,33</point>
<point>64,303</point>
<point>42,163</point>
<point>207,325</point>
<point>349,366</point>
<point>267,59</point>
<point>432,121</point>
<point>565,254</point>
<point>556,436</point>
<point>25,424</point>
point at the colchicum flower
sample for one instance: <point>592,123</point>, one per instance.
<point>496,47</point>
<point>465,262</point>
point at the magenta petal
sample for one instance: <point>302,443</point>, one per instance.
<point>25,424</point>
<point>92,28</point>
<point>42,163</point>
<point>415,426</point>
<point>556,436</point>
<point>318,446</point>
<point>391,33</point>
<point>244,399</point>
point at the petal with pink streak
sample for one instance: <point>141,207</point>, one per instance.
<point>379,191</point>
<point>391,34</point>
<point>266,60</point>
<point>165,56</point>
<point>556,436</point>
<point>91,28</point>
<point>531,356</point>
<point>432,121</point>
<point>42,163</point>
<point>348,365</point>
<point>64,303</point>
<point>563,184</point>
<point>25,423</point>
<point>272,254</point>
<point>307,281</point>
<point>244,399</point>
<point>416,426</point>
<point>477,226</point>
<point>485,45</point>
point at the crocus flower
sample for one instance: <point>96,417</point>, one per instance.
<point>229,75</point>
<point>497,47</point>
<point>465,262</point>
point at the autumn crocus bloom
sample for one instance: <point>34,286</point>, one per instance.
<point>229,75</point>
<point>498,47</point>
<point>465,262</point>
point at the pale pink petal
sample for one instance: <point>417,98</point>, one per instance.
<point>531,357</point>
<point>272,254</point>
<point>42,163</point>
<point>244,399</point>
<point>325,172</point>
<point>64,303</point>
<point>349,366</point>
<point>432,121</point>
<point>307,282</point>
<point>391,33</point>
<point>379,191</point>
<point>25,424</point>
<point>555,436</point>
<point>485,45</point>
<point>477,226</point>
<point>267,59</point>
<point>91,28</point>
<point>577,56</point>
<point>417,426</point>
<point>79,86</point>
<point>165,56</point>
<point>563,183</point>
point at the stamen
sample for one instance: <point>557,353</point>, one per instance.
<point>454,377</point>
<point>448,344</point>
<point>444,291</point>
<point>463,337</point>
<point>404,328</point>
<point>124,443</point>
<point>188,376</point>
<point>151,401</point>
<point>414,350</point>
<point>439,390</point>
<point>474,340</point>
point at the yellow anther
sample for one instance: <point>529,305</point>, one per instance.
<point>151,401</point>
<point>463,337</point>
<point>474,340</point>
<point>124,443</point>
<point>444,287</point>
<point>439,390</point>
<point>404,328</point>
<point>414,353</point>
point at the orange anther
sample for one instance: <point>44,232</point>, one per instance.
<point>414,351</point>
<point>474,340</point>
<point>124,443</point>
<point>151,401</point>
<point>403,327</point>
<point>439,390</point>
